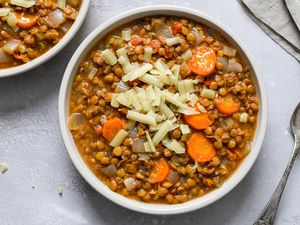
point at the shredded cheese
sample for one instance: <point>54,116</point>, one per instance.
<point>162,132</point>
<point>136,73</point>
<point>174,146</point>
<point>123,59</point>
<point>149,145</point>
<point>119,138</point>
<point>142,118</point>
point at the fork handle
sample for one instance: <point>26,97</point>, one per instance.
<point>268,214</point>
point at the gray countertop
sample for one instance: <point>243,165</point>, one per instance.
<point>30,140</point>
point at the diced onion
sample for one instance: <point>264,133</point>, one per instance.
<point>234,66</point>
<point>12,19</point>
<point>148,54</point>
<point>93,71</point>
<point>132,133</point>
<point>109,170</point>
<point>138,145</point>
<point>126,34</point>
<point>173,177</point>
<point>61,4</point>
<point>173,41</point>
<point>109,57</point>
<point>119,138</point>
<point>23,3</point>
<point>186,55</point>
<point>75,120</point>
<point>223,61</point>
<point>162,132</point>
<point>162,29</point>
<point>143,157</point>
<point>3,56</point>
<point>4,11</point>
<point>244,117</point>
<point>185,129</point>
<point>198,37</point>
<point>130,124</point>
<point>246,150</point>
<point>130,183</point>
<point>142,118</point>
<point>208,93</point>
<point>11,46</point>
<point>230,52</point>
<point>56,17</point>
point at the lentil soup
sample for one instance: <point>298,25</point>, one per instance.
<point>29,28</point>
<point>163,110</point>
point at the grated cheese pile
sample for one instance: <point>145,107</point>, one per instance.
<point>155,105</point>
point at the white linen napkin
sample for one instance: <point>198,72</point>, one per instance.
<point>280,19</point>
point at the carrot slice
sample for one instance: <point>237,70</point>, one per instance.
<point>26,22</point>
<point>227,105</point>
<point>200,149</point>
<point>160,172</point>
<point>203,61</point>
<point>112,127</point>
<point>199,121</point>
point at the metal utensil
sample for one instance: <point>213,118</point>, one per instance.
<point>268,214</point>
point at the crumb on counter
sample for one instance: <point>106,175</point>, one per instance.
<point>3,167</point>
<point>60,190</point>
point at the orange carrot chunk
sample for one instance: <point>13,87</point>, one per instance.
<point>227,105</point>
<point>176,28</point>
<point>203,61</point>
<point>136,40</point>
<point>200,149</point>
<point>26,22</point>
<point>198,121</point>
<point>112,127</point>
<point>160,172</point>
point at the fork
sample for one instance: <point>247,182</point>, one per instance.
<point>268,214</point>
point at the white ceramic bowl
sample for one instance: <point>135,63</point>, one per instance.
<point>55,49</point>
<point>65,89</point>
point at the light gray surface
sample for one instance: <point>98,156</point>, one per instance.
<point>31,144</point>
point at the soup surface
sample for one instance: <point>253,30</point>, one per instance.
<point>163,110</point>
<point>29,28</point>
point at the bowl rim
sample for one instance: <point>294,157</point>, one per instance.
<point>12,71</point>
<point>150,208</point>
